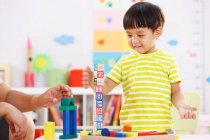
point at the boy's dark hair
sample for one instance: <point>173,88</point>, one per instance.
<point>143,14</point>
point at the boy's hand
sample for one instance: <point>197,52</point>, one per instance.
<point>87,78</point>
<point>52,96</point>
<point>187,112</point>
<point>16,121</point>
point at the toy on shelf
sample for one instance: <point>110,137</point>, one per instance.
<point>29,74</point>
<point>69,118</point>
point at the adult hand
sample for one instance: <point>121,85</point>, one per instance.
<point>52,96</point>
<point>16,121</point>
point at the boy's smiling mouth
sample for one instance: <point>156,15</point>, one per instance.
<point>137,47</point>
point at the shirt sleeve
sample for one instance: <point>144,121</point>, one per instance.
<point>116,72</point>
<point>174,74</point>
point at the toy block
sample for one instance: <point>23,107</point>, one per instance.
<point>95,81</point>
<point>67,108</point>
<point>120,135</point>
<point>95,67</point>
<point>112,134</point>
<point>105,132</point>
<point>100,67</point>
<point>67,101</point>
<point>147,133</point>
<point>99,96</point>
<point>99,118</point>
<point>159,133</point>
<point>99,111</point>
<point>98,132</point>
<point>100,81</point>
<point>99,103</point>
<point>131,134</point>
<point>68,137</point>
<point>49,130</point>
<point>85,133</point>
<point>99,88</point>
<point>127,128</point>
<point>100,74</point>
<point>69,118</point>
<point>99,125</point>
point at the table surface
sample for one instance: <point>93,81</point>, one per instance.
<point>181,137</point>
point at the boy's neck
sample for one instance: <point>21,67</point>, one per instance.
<point>153,49</point>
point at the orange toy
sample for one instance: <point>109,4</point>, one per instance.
<point>75,78</point>
<point>127,128</point>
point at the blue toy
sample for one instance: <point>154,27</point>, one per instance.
<point>105,132</point>
<point>69,118</point>
<point>120,135</point>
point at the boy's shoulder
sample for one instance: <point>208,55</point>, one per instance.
<point>159,54</point>
<point>127,56</point>
<point>164,53</point>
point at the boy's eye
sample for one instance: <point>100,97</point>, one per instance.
<point>140,35</point>
<point>129,36</point>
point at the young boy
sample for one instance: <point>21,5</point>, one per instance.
<point>13,103</point>
<point>150,78</point>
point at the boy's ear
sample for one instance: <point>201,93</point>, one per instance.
<point>158,32</point>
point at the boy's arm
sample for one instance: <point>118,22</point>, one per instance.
<point>108,85</point>
<point>178,100</point>
<point>88,81</point>
<point>177,96</point>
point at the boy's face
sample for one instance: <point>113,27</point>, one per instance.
<point>142,40</point>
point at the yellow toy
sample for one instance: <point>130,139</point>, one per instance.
<point>49,130</point>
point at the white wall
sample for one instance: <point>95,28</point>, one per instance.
<point>207,55</point>
<point>187,21</point>
<point>43,21</point>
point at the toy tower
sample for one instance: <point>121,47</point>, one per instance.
<point>69,118</point>
<point>98,110</point>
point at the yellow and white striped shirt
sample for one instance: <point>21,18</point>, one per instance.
<point>146,80</point>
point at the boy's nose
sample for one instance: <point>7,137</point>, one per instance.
<point>135,40</point>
